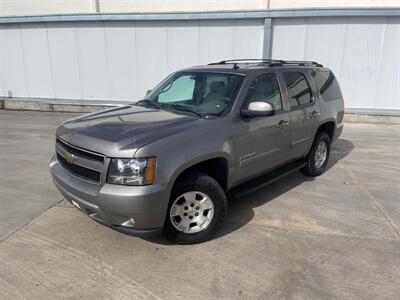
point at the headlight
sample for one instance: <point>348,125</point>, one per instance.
<point>132,171</point>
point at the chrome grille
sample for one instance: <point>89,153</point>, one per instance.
<point>80,152</point>
<point>86,164</point>
<point>78,170</point>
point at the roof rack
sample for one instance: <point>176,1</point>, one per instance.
<point>244,60</point>
<point>270,62</point>
<point>302,63</point>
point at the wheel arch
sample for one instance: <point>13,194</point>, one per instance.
<point>216,167</point>
<point>328,127</point>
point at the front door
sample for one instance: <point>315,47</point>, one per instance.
<point>304,113</point>
<point>264,142</point>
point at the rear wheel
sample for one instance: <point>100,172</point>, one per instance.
<point>196,209</point>
<point>318,157</point>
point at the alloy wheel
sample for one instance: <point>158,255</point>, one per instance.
<point>321,154</point>
<point>191,212</point>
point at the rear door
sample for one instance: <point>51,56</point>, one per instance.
<point>264,142</point>
<point>304,111</point>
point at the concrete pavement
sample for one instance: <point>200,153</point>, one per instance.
<point>334,237</point>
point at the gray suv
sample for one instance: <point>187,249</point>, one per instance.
<point>167,162</point>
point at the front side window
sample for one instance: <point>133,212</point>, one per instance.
<point>205,93</point>
<point>265,88</point>
<point>299,91</point>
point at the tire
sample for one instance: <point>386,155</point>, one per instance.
<point>316,160</point>
<point>203,201</point>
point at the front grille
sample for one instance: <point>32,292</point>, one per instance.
<point>79,170</point>
<point>79,152</point>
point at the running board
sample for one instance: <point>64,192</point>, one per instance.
<point>253,185</point>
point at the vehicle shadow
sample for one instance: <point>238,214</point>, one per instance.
<point>241,208</point>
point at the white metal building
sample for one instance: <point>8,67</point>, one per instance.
<point>108,56</point>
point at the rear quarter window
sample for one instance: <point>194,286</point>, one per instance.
<point>326,84</point>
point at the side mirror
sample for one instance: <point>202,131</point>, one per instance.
<point>257,109</point>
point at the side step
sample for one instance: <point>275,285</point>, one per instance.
<point>262,181</point>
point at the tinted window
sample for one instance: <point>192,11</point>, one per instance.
<point>327,84</point>
<point>213,81</point>
<point>298,89</point>
<point>265,88</point>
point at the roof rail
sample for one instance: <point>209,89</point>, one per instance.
<point>270,62</point>
<point>262,60</point>
<point>302,63</point>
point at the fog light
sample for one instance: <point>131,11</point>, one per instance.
<point>129,223</point>
<point>76,204</point>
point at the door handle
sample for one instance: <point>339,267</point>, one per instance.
<point>281,124</point>
<point>314,115</point>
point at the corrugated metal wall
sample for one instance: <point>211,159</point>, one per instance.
<point>363,52</point>
<point>120,60</point>
<point>114,60</point>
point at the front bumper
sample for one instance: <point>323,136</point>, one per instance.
<point>136,209</point>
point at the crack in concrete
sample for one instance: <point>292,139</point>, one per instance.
<point>94,264</point>
<point>344,235</point>
<point>364,189</point>
<point>31,220</point>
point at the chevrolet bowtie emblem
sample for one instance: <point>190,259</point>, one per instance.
<point>70,158</point>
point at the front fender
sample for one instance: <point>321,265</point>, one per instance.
<point>184,149</point>
<point>199,159</point>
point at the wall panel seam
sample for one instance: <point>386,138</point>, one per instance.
<point>78,61</point>
<point>24,61</point>
<point>107,60</point>
<point>51,63</point>
<point>380,62</point>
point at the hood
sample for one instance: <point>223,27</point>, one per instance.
<point>119,132</point>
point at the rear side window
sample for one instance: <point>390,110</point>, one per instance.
<point>326,84</point>
<point>299,91</point>
<point>265,88</point>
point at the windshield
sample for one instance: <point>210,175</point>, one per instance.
<point>197,92</point>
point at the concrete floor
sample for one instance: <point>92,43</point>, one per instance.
<point>335,237</point>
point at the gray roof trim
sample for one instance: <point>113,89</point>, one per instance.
<point>220,15</point>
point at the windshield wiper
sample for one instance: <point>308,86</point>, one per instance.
<point>185,108</point>
<point>147,102</point>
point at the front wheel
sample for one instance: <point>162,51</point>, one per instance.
<point>318,157</point>
<point>196,209</point>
